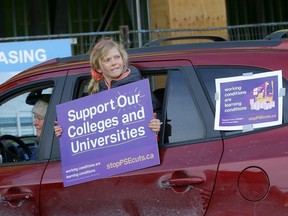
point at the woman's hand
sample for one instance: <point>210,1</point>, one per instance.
<point>155,124</point>
<point>57,129</point>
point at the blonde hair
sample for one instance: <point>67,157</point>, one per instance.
<point>97,55</point>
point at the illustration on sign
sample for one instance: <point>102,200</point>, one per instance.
<point>107,133</point>
<point>249,101</point>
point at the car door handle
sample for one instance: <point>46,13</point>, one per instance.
<point>181,182</point>
<point>15,199</point>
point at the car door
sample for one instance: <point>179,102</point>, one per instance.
<point>20,177</point>
<point>252,169</point>
<point>181,185</point>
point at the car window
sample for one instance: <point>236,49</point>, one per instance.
<point>182,113</point>
<point>19,140</point>
<point>16,117</point>
<point>81,87</point>
<point>208,75</point>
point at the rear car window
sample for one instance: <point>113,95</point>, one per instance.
<point>208,75</point>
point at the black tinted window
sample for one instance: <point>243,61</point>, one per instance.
<point>182,113</point>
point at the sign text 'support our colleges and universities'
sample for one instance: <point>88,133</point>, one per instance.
<point>107,133</point>
<point>249,101</point>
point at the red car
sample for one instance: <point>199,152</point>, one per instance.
<point>202,171</point>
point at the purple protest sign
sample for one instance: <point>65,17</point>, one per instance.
<point>107,133</point>
<point>250,101</point>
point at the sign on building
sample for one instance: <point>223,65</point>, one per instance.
<point>18,56</point>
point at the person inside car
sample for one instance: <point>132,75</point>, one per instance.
<point>109,69</point>
<point>39,111</point>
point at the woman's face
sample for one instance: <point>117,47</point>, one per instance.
<point>112,65</point>
<point>38,124</point>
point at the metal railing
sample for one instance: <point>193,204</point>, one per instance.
<point>131,38</point>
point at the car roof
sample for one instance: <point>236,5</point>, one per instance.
<point>274,41</point>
